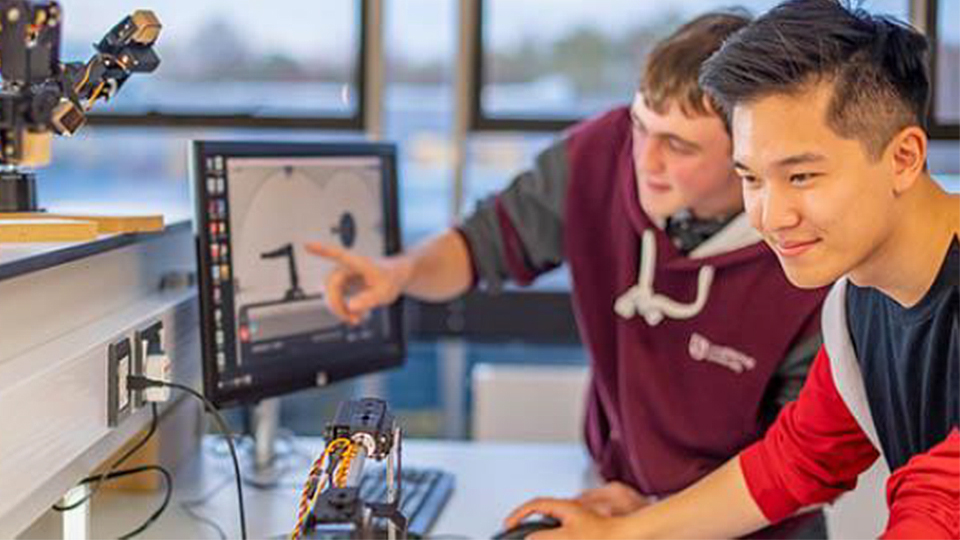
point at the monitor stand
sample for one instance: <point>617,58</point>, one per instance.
<point>266,470</point>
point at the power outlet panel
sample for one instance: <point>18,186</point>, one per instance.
<point>120,363</point>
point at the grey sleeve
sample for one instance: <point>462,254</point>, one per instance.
<point>792,372</point>
<point>517,234</point>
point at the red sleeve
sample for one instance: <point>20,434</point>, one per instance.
<point>812,453</point>
<point>924,494</point>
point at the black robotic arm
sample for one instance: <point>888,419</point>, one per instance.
<point>40,96</point>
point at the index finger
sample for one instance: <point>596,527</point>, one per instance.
<point>340,255</point>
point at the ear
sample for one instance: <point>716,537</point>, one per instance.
<point>908,155</point>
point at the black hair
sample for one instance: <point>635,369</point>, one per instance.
<point>877,67</point>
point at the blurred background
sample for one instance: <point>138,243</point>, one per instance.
<point>469,89</point>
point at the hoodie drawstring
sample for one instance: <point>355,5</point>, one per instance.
<point>641,298</point>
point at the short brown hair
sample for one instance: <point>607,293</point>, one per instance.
<point>673,67</point>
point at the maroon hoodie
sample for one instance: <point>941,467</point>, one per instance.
<point>677,387</point>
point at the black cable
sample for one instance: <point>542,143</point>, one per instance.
<point>136,382</point>
<point>106,474</point>
<point>159,511</point>
<point>168,480</point>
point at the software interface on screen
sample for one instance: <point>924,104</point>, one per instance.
<point>271,328</point>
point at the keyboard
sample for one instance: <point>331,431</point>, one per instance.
<point>424,493</point>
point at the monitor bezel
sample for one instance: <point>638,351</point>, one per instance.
<point>303,375</point>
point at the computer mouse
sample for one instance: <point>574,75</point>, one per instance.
<point>527,527</point>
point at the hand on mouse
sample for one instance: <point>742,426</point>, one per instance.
<point>578,521</point>
<point>613,499</point>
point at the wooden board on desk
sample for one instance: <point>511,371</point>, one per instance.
<point>43,227</point>
<point>46,230</point>
<point>105,224</point>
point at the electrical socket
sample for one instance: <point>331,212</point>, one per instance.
<point>150,341</point>
<point>120,361</point>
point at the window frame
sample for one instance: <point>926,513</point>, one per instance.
<point>352,122</point>
<point>480,120</point>
<point>936,130</point>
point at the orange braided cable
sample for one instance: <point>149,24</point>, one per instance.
<point>315,478</point>
<point>344,468</point>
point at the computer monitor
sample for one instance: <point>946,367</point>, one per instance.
<point>266,329</point>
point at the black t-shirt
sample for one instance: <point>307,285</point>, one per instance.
<point>910,359</point>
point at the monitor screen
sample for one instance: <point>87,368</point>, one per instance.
<point>266,328</point>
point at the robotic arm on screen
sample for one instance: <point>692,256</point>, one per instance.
<point>286,251</point>
<point>40,96</point>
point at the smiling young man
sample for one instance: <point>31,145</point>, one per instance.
<point>842,193</point>
<point>667,275</point>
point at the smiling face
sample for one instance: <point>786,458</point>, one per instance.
<point>682,162</point>
<point>820,201</point>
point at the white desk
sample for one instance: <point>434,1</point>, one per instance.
<point>491,480</point>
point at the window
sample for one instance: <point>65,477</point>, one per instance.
<point>235,63</point>
<point>942,25</point>
<point>418,109</point>
<point>225,65</point>
<point>543,64</point>
<point>136,170</point>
